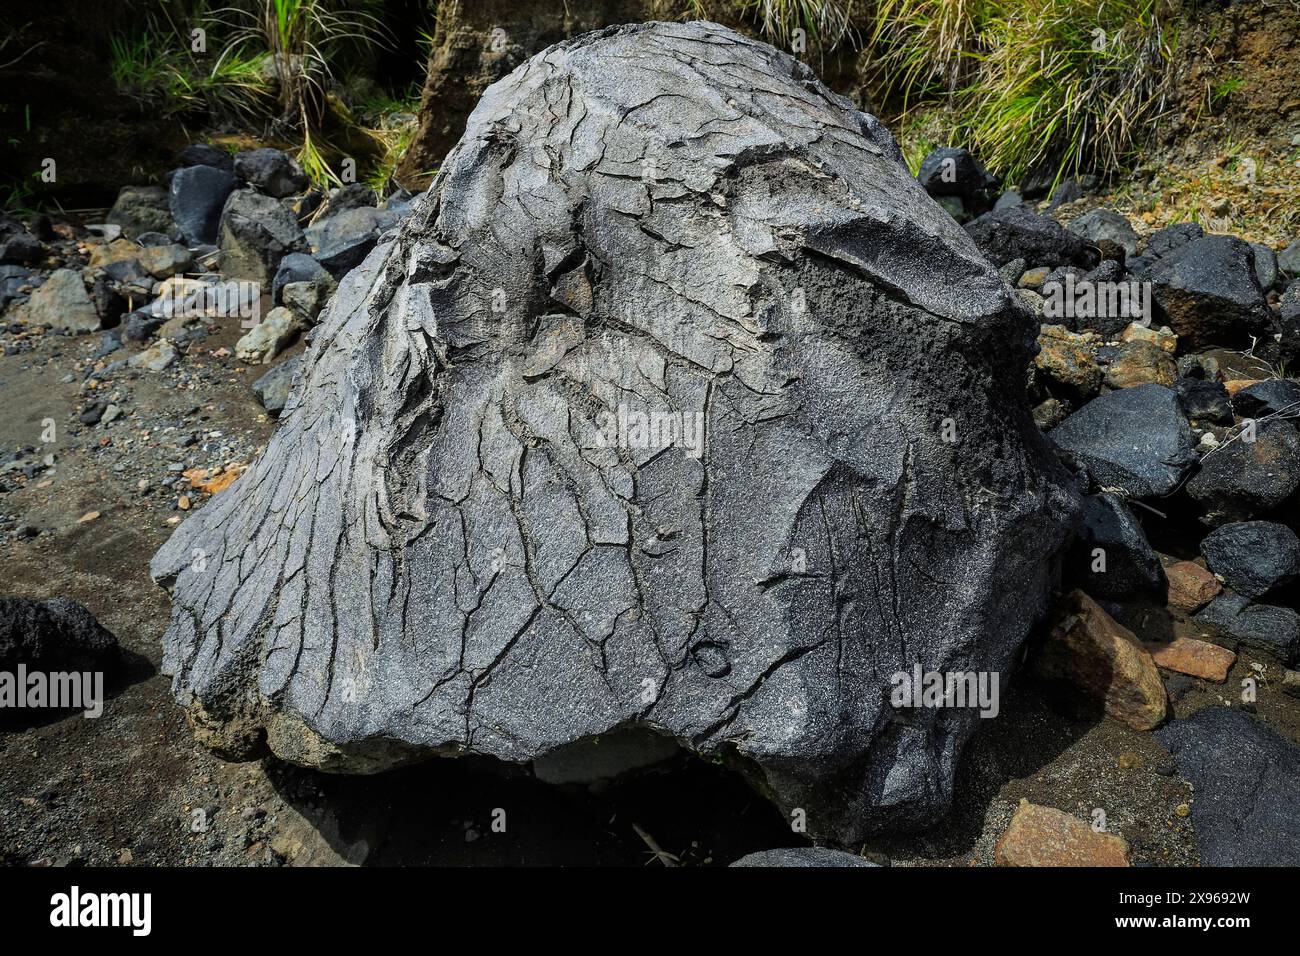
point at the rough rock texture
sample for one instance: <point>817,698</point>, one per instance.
<point>953,171</point>
<point>1273,396</point>
<point>1046,836</point>
<point>273,171</point>
<point>1245,479</point>
<point>17,244</point>
<point>1126,564</point>
<point>1273,629</point>
<point>1135,439</point>
<point>272,389</point>
<point>1253,557</point>
<point>1247,781</point>
<point>478,42</point>
<point>142,209</point>
<point>270,337</point>
<point>62,301</point>
<point>1209,293</point>
<point>1092,656</point>
<point>1191,586</point>
<point>1098,225</point>
<point>803,857</point>
<point>441,551</point>
<point>257,232</point>
<point>1018,232</point>
<point>196,196</point>
<point>55,635</point>
<point>1187,655</point>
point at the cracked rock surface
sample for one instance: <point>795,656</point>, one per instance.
<point>446,548</point>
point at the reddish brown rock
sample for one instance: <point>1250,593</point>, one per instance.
<point>1187,655</point>
<point>1045,836</point>
<point>1093,654</point>
<point>1191,586</point>
<point>1235,385</point>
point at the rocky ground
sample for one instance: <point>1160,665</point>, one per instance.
<point>122,410</point>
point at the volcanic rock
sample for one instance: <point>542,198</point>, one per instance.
<point>1247,781</point>
<point>464,539</point>
<point>1253,557</point>
<point>1244,479</point>
<point>1135,439</point>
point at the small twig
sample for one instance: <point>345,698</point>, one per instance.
<point>662,855</point>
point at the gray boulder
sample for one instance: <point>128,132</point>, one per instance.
<point>1135,439</point>
<point>1018,232</point>
<point>269,337</point>
<point>1208,293</point>
<point>1265,260</point>
<point>1127,564</point>
<point>341,241</point>
<point>140,210</point>
<point>257,232</point>
<point>1170,239</point>
<point>1106,224</point>
<point>1274,396</point>
<point>1247,782</point>
<point>272,389</point>
<point>950,171</point>
<point>273,171</point>
<point>1246,479</point>
<point>351,196</point>
<point>1253,557</point>
<point>309,299</point>
<point>1288,260</point>
<point>196,197</point>
<point>203,154</point>
<point>295,267</point>
<point>1262,626</point>
<point>465,537</point>
<point>1008,199</point>
<point>63,303</point>
<point>1204,400</point>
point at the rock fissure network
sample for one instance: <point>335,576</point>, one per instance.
<point>441,552</point>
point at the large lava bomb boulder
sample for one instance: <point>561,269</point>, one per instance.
<point>677,406</point>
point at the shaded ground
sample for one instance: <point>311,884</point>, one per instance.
<point>125,788</point>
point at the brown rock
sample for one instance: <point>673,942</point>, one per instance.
<point>1162,337</point>
<point>119,250</point>
<point>1235,385</point>
<point>1191,586</point>
<point>1141,363</point>
<point>1067,359</point>
<point>1090,652</point>
<point>1187,655</point>
<point>1045,836</point>
<point>1033,278</point>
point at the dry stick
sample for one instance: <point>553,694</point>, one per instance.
<point>662,855</point>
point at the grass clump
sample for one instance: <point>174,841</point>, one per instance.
<point>1066,86</point>
<point>268,62</point>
